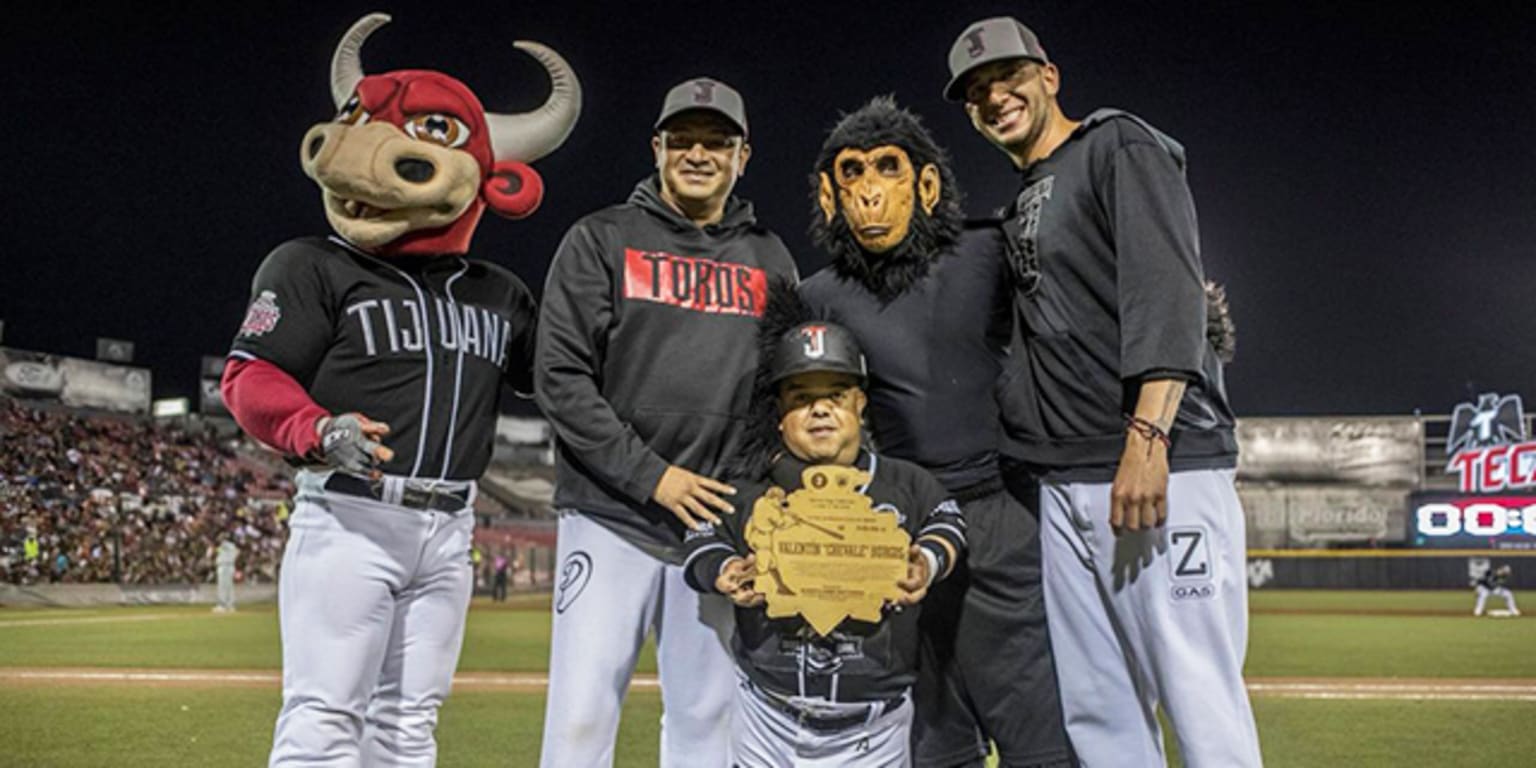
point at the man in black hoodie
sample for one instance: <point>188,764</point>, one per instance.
<point>929,298</point>
<point>646,353</point>
<point>1113,398</point>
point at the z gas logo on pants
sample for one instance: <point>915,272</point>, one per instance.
<point>575,572</point>
<point>1190,560</point>
<point>1192,592</point>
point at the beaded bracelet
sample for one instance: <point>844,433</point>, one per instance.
<point>1147,429</point>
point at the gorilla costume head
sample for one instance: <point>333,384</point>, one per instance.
<point>884,200</point>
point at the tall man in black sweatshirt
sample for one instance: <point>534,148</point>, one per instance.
<point>1113,397</point>
<point>646,353</point>
<point>928,297</point>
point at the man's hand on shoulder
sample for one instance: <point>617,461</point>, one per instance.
<point>691,496</point>
<point>351,442</point>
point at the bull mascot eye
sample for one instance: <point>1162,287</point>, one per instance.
<point>352,112</point>
<point>438,128</point>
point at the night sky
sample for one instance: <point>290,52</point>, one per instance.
<point>1365,176</point>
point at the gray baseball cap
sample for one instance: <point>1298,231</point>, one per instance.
<point>986,41</point>
<point>708,94</point>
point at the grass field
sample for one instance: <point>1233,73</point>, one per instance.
<point>1403,647</point>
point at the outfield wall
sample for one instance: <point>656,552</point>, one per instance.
<point>1383,568</point>
<point>87,595</point>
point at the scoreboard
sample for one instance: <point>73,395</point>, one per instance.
<point>1472,521</point>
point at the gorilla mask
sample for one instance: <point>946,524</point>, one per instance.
<point>876,190</point>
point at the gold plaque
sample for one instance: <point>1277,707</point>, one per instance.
<point>824,553</point>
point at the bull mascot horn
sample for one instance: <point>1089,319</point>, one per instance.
<point>378,212</point>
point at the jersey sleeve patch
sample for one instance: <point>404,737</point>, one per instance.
<point>262,316</point>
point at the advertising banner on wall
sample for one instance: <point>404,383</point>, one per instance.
<point>210,401</point>
<point>1375,451</point>
<point>1321,516</point>
<point>74,382</point>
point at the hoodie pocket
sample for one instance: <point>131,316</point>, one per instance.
<point>691,439</point>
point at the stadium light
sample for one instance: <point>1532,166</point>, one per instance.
<point>173,406</point>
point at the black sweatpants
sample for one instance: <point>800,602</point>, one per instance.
<point>986,671</point>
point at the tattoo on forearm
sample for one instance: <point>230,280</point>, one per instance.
<point>1170,408</point>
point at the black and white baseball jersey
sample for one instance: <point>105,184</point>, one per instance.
<point>859,661</point>
<point>1493,578</point>
<point>420,343</point>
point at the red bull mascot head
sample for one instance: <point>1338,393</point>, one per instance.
<point>412,159</point>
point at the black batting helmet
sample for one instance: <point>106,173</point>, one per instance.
<point>818,346</point>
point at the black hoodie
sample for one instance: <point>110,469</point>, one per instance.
<point>1108,224</point>
<point>646,350</point>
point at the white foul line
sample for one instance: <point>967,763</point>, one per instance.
<point>94,620</point>
<point>1342,690</point>
<point>471,679</point>
<point>1398,691</point>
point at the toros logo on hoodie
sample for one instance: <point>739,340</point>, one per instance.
<point>699,284</point>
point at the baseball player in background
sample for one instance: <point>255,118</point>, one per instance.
<point>1494,581</point>
<point>929,298</point>
<point>224,558</point>
<point>1113,398</point>
<point>647,347</point>
<point>375,359</point>
<point>805,700</point>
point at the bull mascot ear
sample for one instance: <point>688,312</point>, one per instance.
<point>513,189</point>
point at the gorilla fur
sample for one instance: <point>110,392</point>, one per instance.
<point>879,123</point>
<point>1219,328</point>
<point>761,442</point>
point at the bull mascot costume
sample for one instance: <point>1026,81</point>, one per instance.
<point>374,359</point>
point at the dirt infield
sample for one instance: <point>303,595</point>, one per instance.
<point>1411,689</point>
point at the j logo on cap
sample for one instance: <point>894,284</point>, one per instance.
<point>815,340</point>
<point>976,48</point>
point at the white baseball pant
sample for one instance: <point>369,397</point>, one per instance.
<point>1151,617</point>
<point>371,602</point>
<point>764,737</point>
<point>1482,597</point>
<point>224,579</point>
<point>608,595</point>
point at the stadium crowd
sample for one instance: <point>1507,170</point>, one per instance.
<point>88,498</point>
